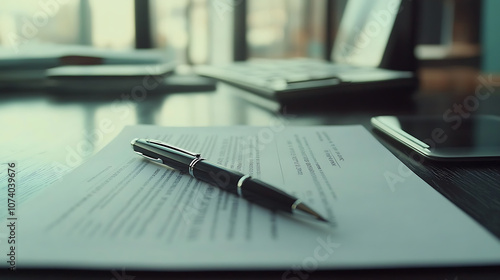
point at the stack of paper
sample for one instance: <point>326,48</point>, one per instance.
<point>119,210</point>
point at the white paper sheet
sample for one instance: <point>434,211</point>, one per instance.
<point>119,210</point>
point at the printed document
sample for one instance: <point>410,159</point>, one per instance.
<point>120,210</point>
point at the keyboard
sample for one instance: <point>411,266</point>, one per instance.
<point>295,79</point>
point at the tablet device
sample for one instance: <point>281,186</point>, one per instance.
<point>445,137</point>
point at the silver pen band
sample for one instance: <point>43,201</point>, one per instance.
<point>240,184</point>
<point>192,164</point>
<point>295,204</point>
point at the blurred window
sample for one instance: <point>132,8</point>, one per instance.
<point>181,28</point>
<point>275,29</point>
<point>286,28</point>
<point>104,24</point>
<point>38,21</point>
<point>112,23</point>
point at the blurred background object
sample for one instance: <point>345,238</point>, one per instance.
<point>33,21</point>
<point>372,57</point>
<point>449,47</point>
<point>284,28</point>
<point>456,38</point>
<point>490,40</point>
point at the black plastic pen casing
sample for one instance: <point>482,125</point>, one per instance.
<point>252,189</point>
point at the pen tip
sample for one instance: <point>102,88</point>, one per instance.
<point>301,207</point>
<point>322,219</point>
<point>133,141</point>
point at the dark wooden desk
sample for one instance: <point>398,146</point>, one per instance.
<point>51,126</point>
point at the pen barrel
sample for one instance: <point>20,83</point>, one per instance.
<point>265,195</point>
<point>217,175</point>
<point>253,190</point>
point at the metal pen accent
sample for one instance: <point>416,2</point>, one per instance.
<point>229,180</point>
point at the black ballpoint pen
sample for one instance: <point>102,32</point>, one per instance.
<point>229,180</point>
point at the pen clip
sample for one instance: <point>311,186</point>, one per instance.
<point>150,158</point>
<point>198,155</point>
